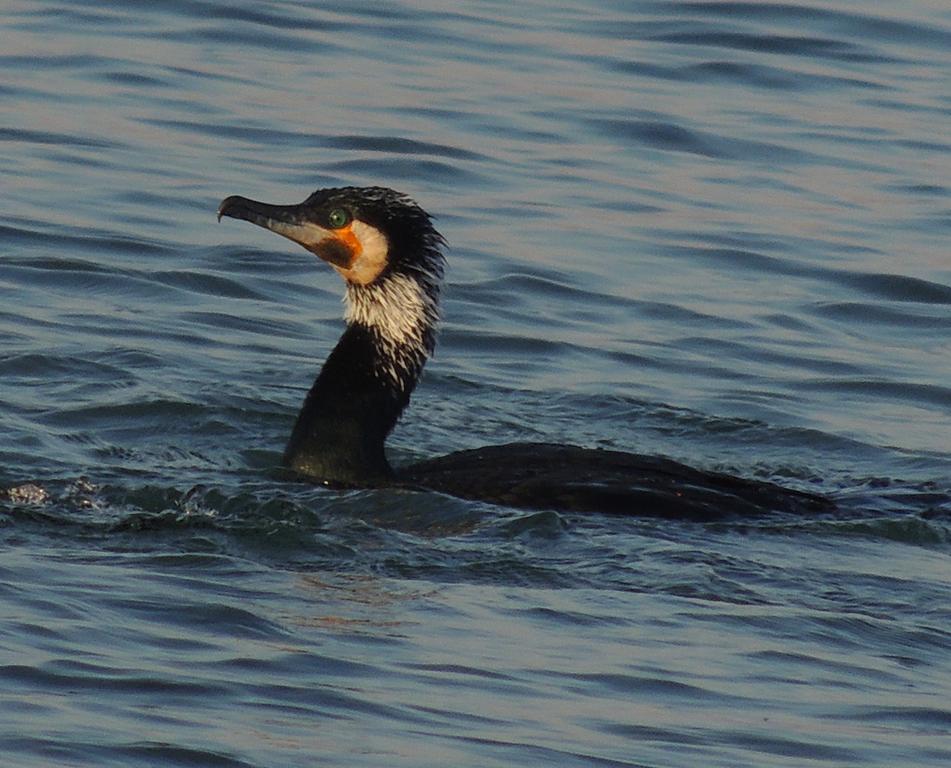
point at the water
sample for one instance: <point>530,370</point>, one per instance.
<point>713,231</point>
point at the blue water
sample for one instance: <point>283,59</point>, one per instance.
<point>713,231</point>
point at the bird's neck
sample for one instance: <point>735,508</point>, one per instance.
<point>366,382</point>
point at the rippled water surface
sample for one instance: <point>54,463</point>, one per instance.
<point>716,231</point>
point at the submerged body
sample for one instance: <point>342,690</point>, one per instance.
<point>572,479</point>
<point>390,256</point>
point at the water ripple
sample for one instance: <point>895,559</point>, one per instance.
<point>816,48</point>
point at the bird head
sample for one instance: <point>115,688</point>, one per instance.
<point>365,233</point>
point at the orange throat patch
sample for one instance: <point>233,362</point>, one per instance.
<point>357,251</point>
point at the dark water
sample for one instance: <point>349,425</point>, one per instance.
<point>713,231</point>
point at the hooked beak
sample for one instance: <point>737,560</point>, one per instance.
<point>289,221</point>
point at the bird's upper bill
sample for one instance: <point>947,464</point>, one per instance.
<point>357,250</point>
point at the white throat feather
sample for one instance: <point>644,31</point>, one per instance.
<point>401,312</point>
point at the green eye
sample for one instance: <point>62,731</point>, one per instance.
<point>338,218</point>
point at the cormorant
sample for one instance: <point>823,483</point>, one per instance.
<point>391,258</point>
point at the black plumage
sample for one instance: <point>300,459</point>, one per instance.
<point>391,257</point>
